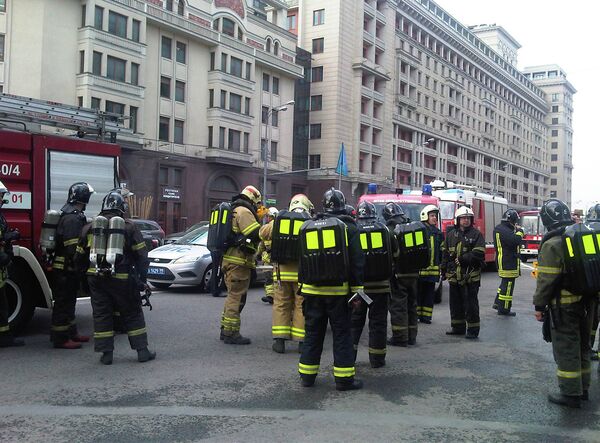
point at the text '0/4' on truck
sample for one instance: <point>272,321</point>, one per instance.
<point>38,169</point>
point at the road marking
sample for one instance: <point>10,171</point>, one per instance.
<point>527,266</point>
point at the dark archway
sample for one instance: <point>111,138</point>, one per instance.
<point>220,187</point>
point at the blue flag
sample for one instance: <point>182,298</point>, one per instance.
<point>342,164</point>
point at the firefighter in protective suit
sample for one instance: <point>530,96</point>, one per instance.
<point>264,251</point>
<point>238,262</point>
<point>288,319</point>
<point>430,276</point>
<point>6,236</point>
<point>330,303</point>
<point>571,313</point>
<point>463,255</point>
<point>115,283</point>
<point>593,215</point>
<point>508,236</point>
<point>65,277</point>
<point>378,291</point>
<point>404,286</point>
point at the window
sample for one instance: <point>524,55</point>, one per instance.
<point>554,157</point>
<point>211,98</point>
<point>554,133</point>
<point>246,142</point>
<point>554,145</point>
<point>235,67</point>
<point>248,70</point>
<point>115,108</point>
<point>165,87</point>
<point>163,176</point>
<point>228,27</point>
<point>314,161</point>
<point>553,181</point>
<point>179,91</point>
<point>210,136</point>
<point>315,131</point>
<point>117,24</point>
<point>276,48</point>
<point>553,169</point>
<point>265,115</point>
<point>234,140</point>
<point>317,45</point>
<point>221,137</point>
<point>180,7</point>
<point>177,176</point>
<point>115,68</point>
<point>169,5</point>
<point>80,101</point>
<point>180,52</point>
<point>95,103</point>
<point>555,97</point>
<point>178,135</point>
<point>317,74</point>
<point>273,151</point>
<point>135,30</point>
<point>83,11</point>
<point>224,62</point>
<point>81,61</point>
<point>318,17</point>
<point>291,22</point>
<point>98,17</point>
<point>316,102</point>
<point>133,117</point>
<point>163,129</point>
<point>555,108</point>
<point>165,47</point>
<point>275,86</point>
<point>266,81</point>
<point>223,99</point>
<point>275,118</point>
<point>135,73</point>
<point>247,108</point>
<point>212,61</point>
<point>235,103</point>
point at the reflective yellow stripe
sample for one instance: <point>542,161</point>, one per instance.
<point>328,238</point>
<point>377,351</point>
<point>284,226</point>
<point>569,247</point>
<point>106,334</point>
<point>568,299</point>
<point>568,374</point>
<point>71,241</point>
<point>500,268</point>
<point>357,288</point>
<point>376,240</point>
<point>308,369</point>
<point>224,218</point>
<point>408,240</point>
<point>588,244</point>
<point>79,250</point>
<point>4,328</point>
<point>296,332</point>
<point>326,290</point>
<point>363,241</point>
<point>432,251</point>
<point>426,309</point>
<point>479,248</point>
<point>281,328</point>
<point>251,228</point>
<point>58,266</point>
<point>121,276</point>
<point>59,258</point>
<point>60,328</point>
<point>136,332</point>
<point>548,270</point>
<point>473,325</point>
<point>399,328</point>
<point>344,372</point>
<point>419,238</point>
<point>139,246</point>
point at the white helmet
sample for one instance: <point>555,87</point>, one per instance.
<point>273,212</point>
<point>426,210</point>
<point>3,191</point>
<point>463,211</point>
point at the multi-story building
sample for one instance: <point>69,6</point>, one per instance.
<point>414,95</point>
<point>552,79</point>
<point>200,82</point>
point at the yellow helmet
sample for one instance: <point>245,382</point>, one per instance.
<point>301,202</point>
<point>463,211</point>
<point>426,210</point>
<point>252,194</point>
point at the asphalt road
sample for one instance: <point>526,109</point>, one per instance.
<point>445,388</point>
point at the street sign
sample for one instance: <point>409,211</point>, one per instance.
<point>271,201</point>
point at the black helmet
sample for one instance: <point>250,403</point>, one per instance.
<point>334,201</point>
<point>80,192</point>
<point>366,210</point>
<point>114,201</point>
<point>593,214</point>
<point>511,216</point>
<point>554,214</point>
<point>350,211</point>
<point>392,210</point>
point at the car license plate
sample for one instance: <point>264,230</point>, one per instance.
<point>156,271</point>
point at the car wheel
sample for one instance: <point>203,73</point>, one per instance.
<point>205,285</point>
<point>161,285</point>
<point>19,289</point>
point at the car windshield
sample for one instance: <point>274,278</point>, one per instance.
<point>197,237</point>
<point>532,226</point>
<point>447,210</point>
<point>196,226</point>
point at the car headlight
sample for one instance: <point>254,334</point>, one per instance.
<point>187,259</point>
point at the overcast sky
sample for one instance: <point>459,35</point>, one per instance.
<point>562,33</point>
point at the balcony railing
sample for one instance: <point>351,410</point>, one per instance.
<point>115,41</point>
<point>91,80</point>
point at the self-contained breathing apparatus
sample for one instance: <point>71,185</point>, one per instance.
<point>220,227</point>
<point>285,246</point>
<point>376,246</point>
<point>48,236</point>
<point>581,243</point>
<point>413,248</point>
<point>108,242</point>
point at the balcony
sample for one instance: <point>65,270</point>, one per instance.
<point>515,146</point>
<point>370,67</point>
<point>404,144</point>
<point>488,103</point>
<point>365,119</point>
<point>404,166</point>
<point>430,172</point>
<point>515,116</point>
<point>368,37</point>
<point>377,123</point>
<point>103,38</point>
<point>451,176</point>
<point>369,10</point>
<point>381,17</point>
<point>430,151</point>
<point>231,80</point>
<point>453,121</point>
<point>376,149</point>
<point>407,55</point>
<point>379,43</point>
<point>407,101</point>
<point>220,114</point>
<point>488,134</point>
<point>453,82</point>
<point>227,157</point>
<point>105,84</point>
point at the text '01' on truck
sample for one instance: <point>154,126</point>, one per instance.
<point>38,170</point>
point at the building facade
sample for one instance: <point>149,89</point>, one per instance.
<point>552,79</point>
<point>414,95</point>
<point>199,82</point>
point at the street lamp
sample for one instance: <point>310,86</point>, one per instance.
<point>265,151</point>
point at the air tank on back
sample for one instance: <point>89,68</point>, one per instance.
<point>116,241</point>
<point>48,234</point>
<point>99,233</point>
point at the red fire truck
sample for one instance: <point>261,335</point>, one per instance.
<point>38,169</point>
<point>533,233</point>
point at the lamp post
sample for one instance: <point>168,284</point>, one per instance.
<point>265,151</point>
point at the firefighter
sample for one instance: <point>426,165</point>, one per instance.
<point>403,300</point>
<point>463,255</point>
<point>238,262</point>
<point>288,319</point>
<point>376,243</point>
<point>264,250</point>
<point>65,278</point>
<point>323,303</point>
<point>429,276</point>
<point>571,313</point>
<point>115,283</point>
<point>508,236</point>
<point>593,215</point>
<point>6,236</point>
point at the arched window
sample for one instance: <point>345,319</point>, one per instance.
<point>276,48</point>
<point>268,48</point>
<point>228,27</point>
<point>180,7</point>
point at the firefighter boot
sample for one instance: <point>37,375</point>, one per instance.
<point>107,358</point>
<point>9,342</point>
<point>472,335</point>
<point>307,381</point>
<point>279,345</point>
<point>236,339</point>
<point>393,341</point>
<point>69,344</point>
<point>145,355</point>
<point>571,401</point>
<point>507,313</point>
<point>454,331</point>
<point>377,361</point>
<point>267,299</point>
<point>349,386</point>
